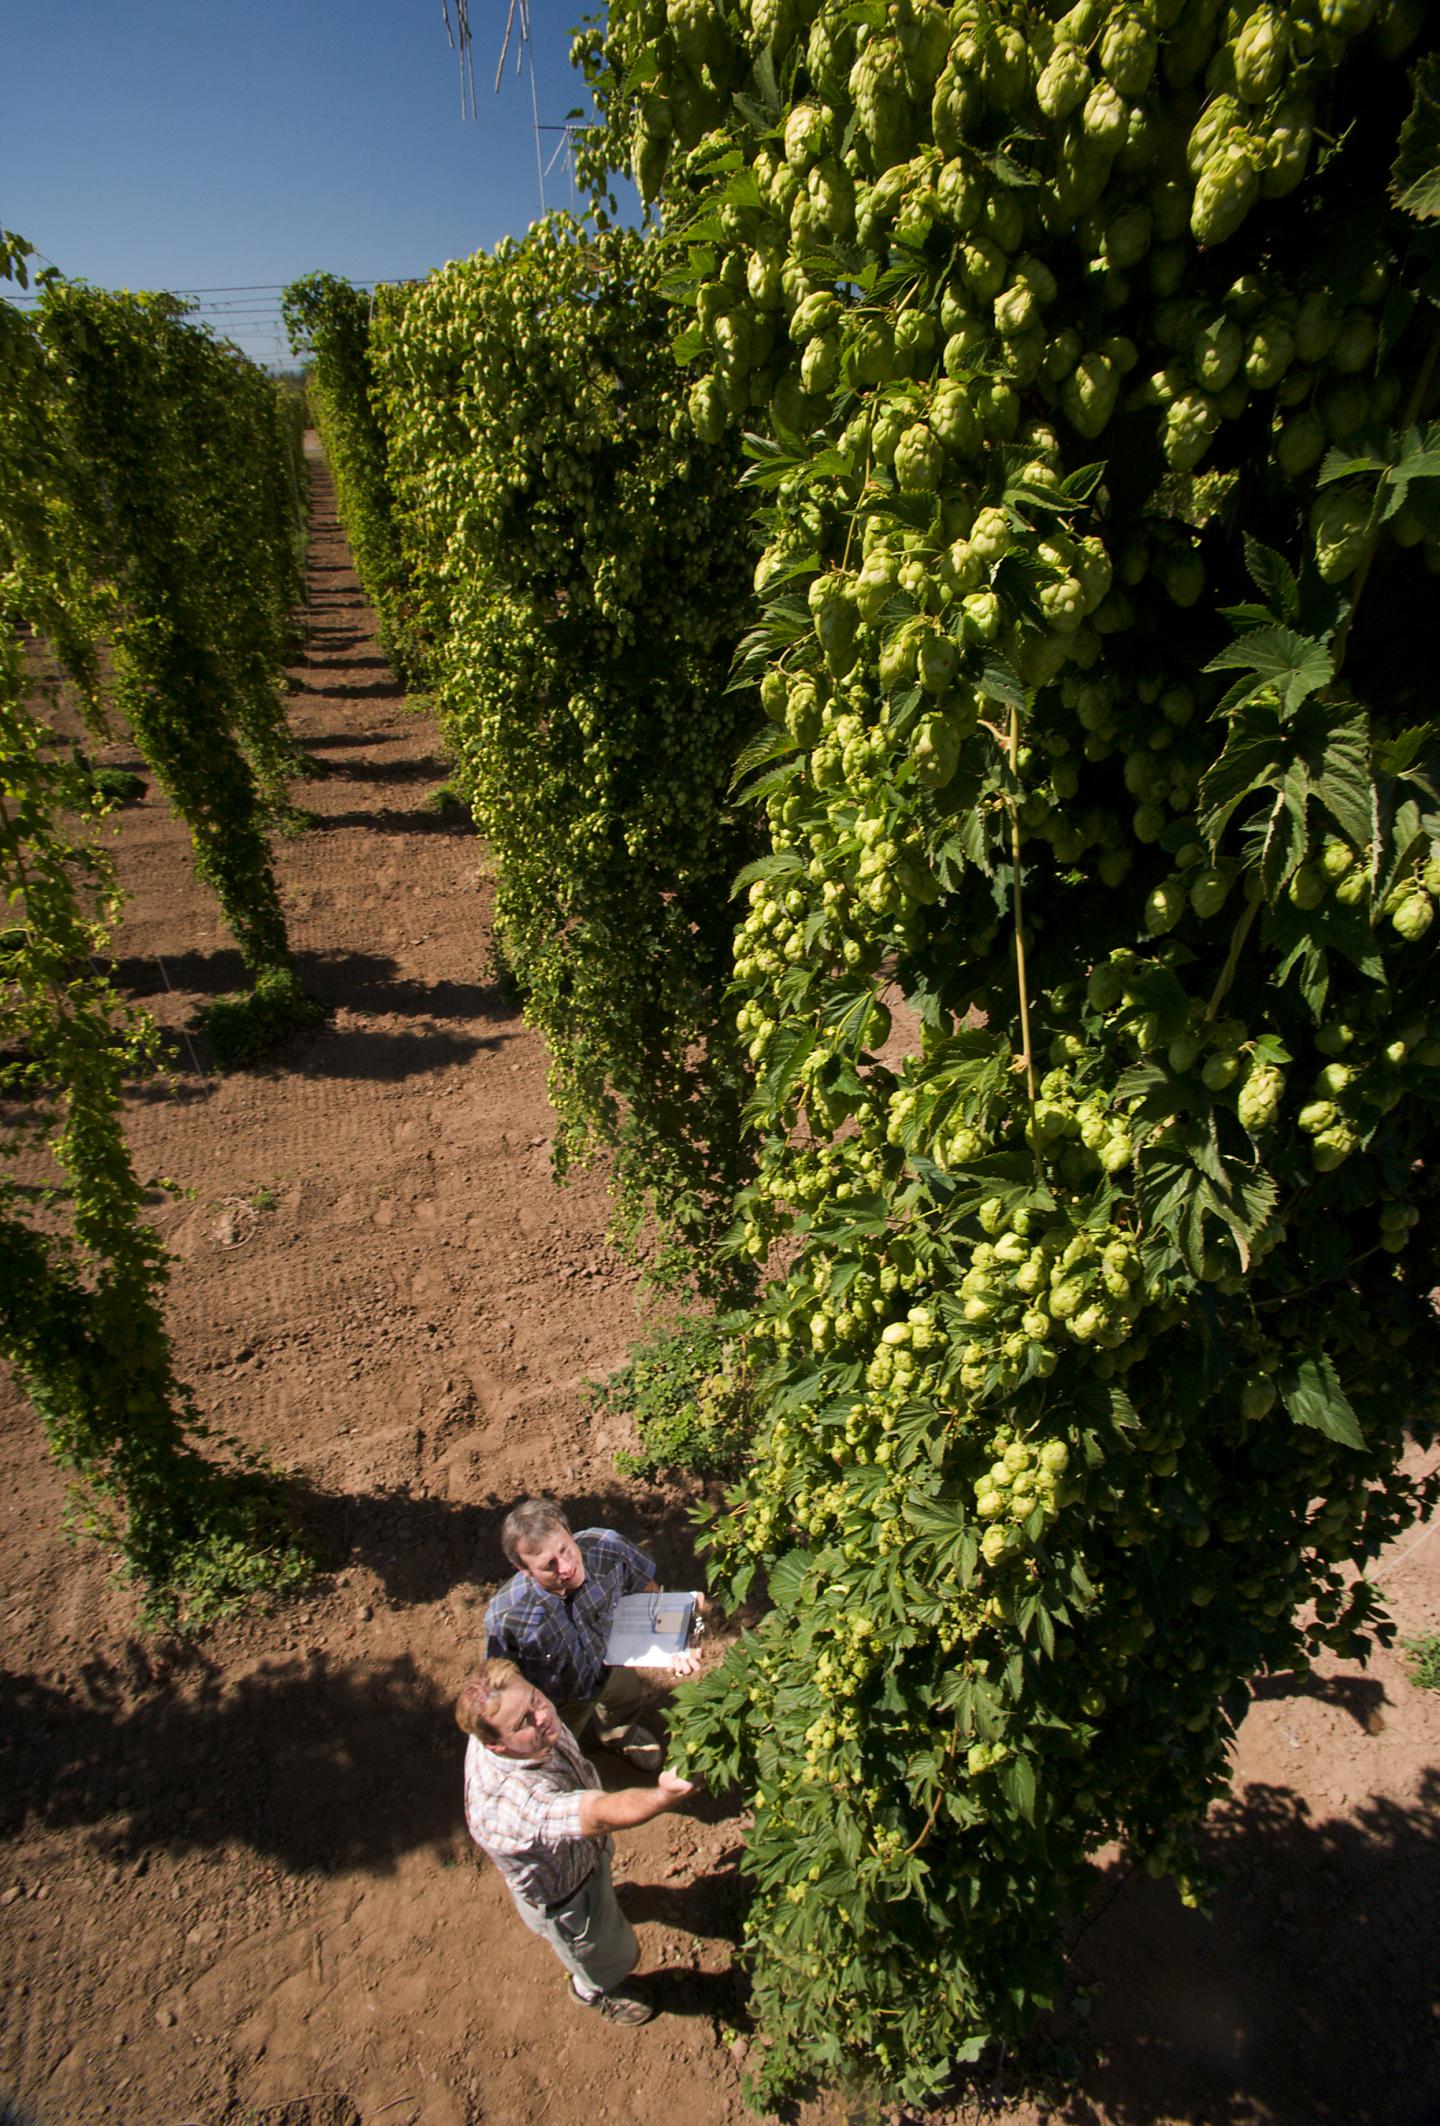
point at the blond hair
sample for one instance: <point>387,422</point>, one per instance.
<point>479,1695</point>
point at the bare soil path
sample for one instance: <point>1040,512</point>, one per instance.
<point>234,1883</point>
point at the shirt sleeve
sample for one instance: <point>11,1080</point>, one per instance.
<point>627,1569</point>
<point>497,1645</point>
<point>639,1570</point>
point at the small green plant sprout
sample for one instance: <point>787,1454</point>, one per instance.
<point>243,1028</point>
<point>182,1191</point>
<point>1423,1660</point>
<point>291,821</point>
<point>119,786</point>
<point>446,802</point>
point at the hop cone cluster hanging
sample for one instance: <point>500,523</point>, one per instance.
<point>1088,362</point>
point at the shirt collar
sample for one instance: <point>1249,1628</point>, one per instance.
<point>520,1764</point>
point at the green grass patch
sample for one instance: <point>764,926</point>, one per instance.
<point>291,821</point>
<point>1423,1660</point>
<point>446,802</point>
<point>243,1028</point>
<point>119,786</point>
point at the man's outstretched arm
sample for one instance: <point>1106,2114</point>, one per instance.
<point>632,1805</point>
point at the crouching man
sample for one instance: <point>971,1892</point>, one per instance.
<point>535,1805</point>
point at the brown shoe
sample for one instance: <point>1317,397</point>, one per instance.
<point>637,1746</point>
<point>623,2004</point>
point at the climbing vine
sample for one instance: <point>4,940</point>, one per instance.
<point>584,558</point>
<point>81,1275</point>
<point>329,321</point>
<point>1088,359</point>
<point>181,469</point>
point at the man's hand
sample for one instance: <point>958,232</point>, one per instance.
<point>684,1664</point>
<point>629,1806</point>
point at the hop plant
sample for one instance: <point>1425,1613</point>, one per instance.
<point>1047,614</point>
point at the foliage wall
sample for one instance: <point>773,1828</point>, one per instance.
<point>182,466</point>
<point>1089,362</point>
<point>584,558</point>
<point>82,1276</point>
<point>329,321</point>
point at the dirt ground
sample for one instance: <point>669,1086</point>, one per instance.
<point>234,1881</point>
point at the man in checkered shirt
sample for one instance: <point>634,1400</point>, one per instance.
<point>553,1621</point>
<point>535,1805</point>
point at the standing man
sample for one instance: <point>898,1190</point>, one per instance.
<point>534,1804</point>
<point>553,1621</point>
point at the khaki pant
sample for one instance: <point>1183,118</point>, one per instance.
<point>589,1933</point>
<point>613,1708</point>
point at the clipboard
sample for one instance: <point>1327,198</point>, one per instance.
<point>648,1630</point>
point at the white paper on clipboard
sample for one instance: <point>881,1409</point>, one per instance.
<point>648,1630</point>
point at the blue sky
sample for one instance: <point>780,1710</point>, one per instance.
<point>231,145</point>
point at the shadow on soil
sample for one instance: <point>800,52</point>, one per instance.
<point>386,1058</point>
<point>721,1996</point>
<point>337,638</point>
<point>352,690</point>
<point>362,981</point>
<point>356,1055</point>
<point>336,741</point>
<point>368,983</point>
<point>1308,1997</point>
<point>359,982</point>
<point>422,1549</point>
<point>384,819</point>
<point>1362,1697</point>
<point>430,769</point>
<point>317,1764</point>
<point>711,1907</point>
<point>340,664</point>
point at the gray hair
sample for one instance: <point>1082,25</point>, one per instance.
<point>529,1523</point>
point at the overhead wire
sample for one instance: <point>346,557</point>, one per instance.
<point>261,324</point>
<point>458,32</point>
<point>517,16</point>
<point>33,295</point>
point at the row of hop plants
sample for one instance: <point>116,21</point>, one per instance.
<point>152,488</point>
<point>184,510</point>
<point>1086,362</point>
<point>577,562</point>
<point>329,325</point>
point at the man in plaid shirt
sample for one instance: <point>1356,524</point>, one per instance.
<point>553,1620</point>
<point>535,1805</point>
